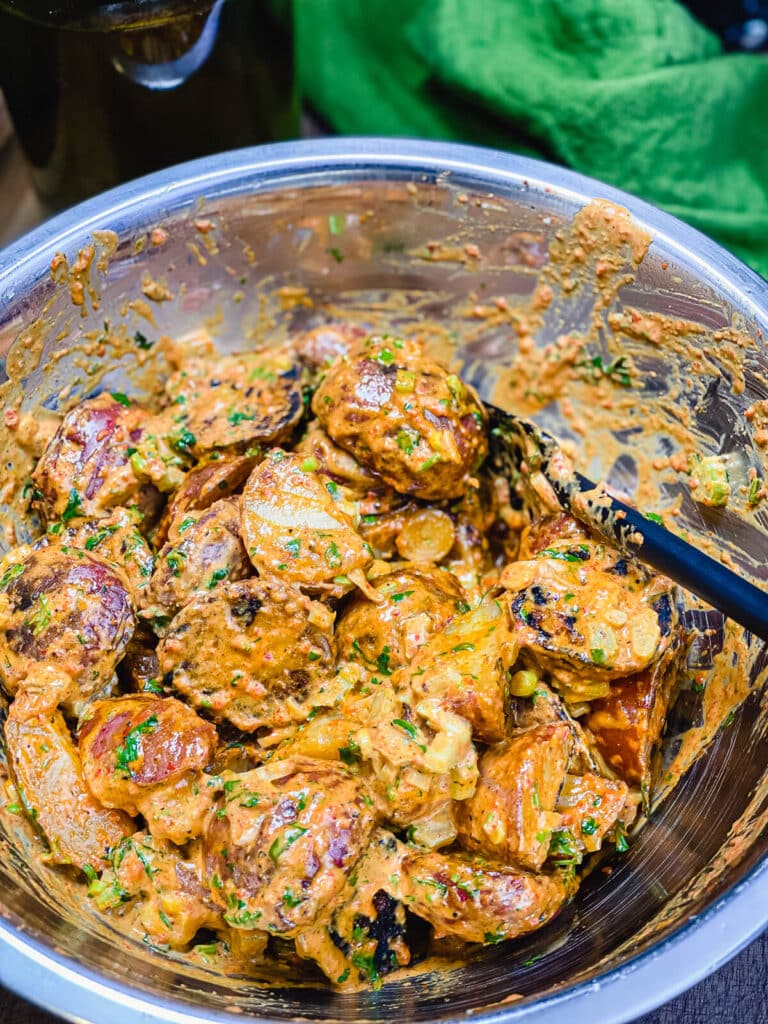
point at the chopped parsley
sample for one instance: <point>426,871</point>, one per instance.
<point>74,506</point>
<point>217,576</point>
<point>141,341</point>
<point>130,750</point>
<point>11,573</point>
<point>285,841</point>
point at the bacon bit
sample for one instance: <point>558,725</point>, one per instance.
<point>472,250</point>
<point>12,418</point>
<point>501,303</point>
<point>203,225</point>
<point>158,236</point>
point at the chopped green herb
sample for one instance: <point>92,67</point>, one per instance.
<point>129,751</point>
<point>654,517</point>
<point>141,341</point>
<point>385,357</point>
<point>620,837</point>
<point>217,576</point>
<point>598,655</point>
<point>589,826</point>
<point>333,490</point>
<point>121,398</point>
<point>185,524</point>
<point>94,541</point>
<point>407,440</point>
<point>616,370</point>
<point>401,596</point>
<point>565,556</point>
<point>382,662</point>
<point>175,560</point>
<point>11,573</point>
<point>350,754</point>
<point>336,253</point>
<point>293,546</point>
<point>234,417</point>
<point>184,443</point>
<point>428,463</point>
<point>492,938</point>
<point>284,841</point>
<point>333,556</point>
<point>755,487</point>
<point>462,647</point>
<point>41,617</point>
<point>290,900</point>
<point>342,977</point>
<point>336,223</point>
<point>367,967</point>
<point>74,505</point>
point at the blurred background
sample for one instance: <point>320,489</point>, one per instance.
<point>662,98</point>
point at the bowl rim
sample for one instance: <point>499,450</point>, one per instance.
<point>57,981</point>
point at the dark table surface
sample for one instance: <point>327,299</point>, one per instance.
<point>737,992</point>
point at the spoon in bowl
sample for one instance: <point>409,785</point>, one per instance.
<point>520,446</point>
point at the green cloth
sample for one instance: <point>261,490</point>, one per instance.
<point>636,93</point>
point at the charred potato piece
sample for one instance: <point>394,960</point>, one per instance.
<point>48,774</point>
<point>85,470</point>
<point>144,755</point>
<point>465,668</point>
<point>66,608</point>
<point>589,806</point>
<point>203,549</point>
<point>512,814</point>
<point>139,671</point>
<point>114,538</point>
<point>236,402</point>
<point>415,603</point>
<point>477,901</point>
<point>588,617</point>
<point>416,759</point>
<point>320,346</point>
<point>282,841</point>
<point>298,526</point>
<point>560,531</point>
<point>627,724</point>
<point>403,416</point>
<point>360,936</point>
<point>172,903</point>
<point>220,476</point>
<point>249,652</point>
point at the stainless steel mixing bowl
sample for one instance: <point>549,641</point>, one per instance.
<point>694,887</point>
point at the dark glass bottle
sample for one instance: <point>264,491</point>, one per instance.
<point>103,92</point>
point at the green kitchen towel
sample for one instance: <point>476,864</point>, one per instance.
<point>634,92</point>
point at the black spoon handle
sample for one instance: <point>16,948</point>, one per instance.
<point>651,542</point>
<point>519,445</point>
